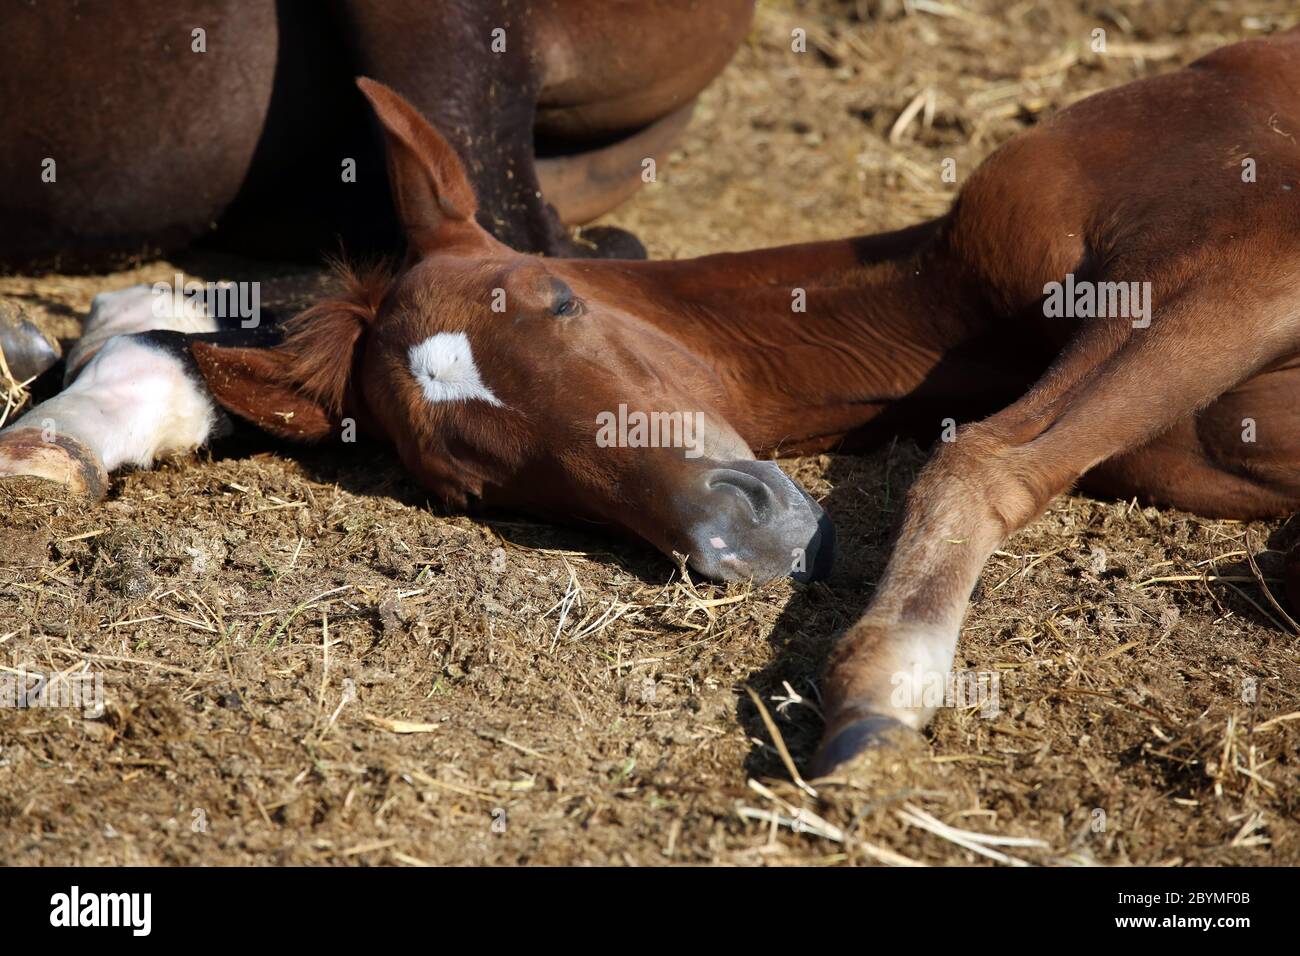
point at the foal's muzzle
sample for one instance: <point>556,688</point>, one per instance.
<point>756,524</point>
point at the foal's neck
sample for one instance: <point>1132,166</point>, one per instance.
<point>815,343</point>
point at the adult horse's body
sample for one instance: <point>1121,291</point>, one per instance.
<point>140,125</point>
<point>1181,191</point>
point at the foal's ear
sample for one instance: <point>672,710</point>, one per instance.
<point>257,384</point>
<point>303,388</point>
<point>430,188</point>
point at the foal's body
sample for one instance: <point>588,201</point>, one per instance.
<point>902,330</point>
<point>946,319</point>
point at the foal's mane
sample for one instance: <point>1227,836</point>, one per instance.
<point>320,342</point>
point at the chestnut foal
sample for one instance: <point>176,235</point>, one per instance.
<point>1181,187</point>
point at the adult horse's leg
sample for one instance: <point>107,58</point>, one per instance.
<point>122,131</point>
<point>440,57</point>
<point>132,397</point>
<point>605,85</point>
<point>1095,402</point>
<point>619,84</point>
<point>584,185</point>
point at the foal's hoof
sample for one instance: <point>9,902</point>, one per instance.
<point>27,350</point>
<point>860,736</point>
<point>30,453</point>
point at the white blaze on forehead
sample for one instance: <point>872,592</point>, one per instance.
<point>444,366</point>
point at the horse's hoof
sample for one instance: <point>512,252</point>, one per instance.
<point>858,736</point>
<point>29,452</point>
<point>610,242</point>
<point>27,350</point>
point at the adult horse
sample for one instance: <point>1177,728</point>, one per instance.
<point>138,126</point>
<point>497,376</point>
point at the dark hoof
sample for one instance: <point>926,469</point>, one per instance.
<point>857,734</point>
<point>26,349</point>
<point>609,242</point>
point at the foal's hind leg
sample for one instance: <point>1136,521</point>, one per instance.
<point>1175,470</point>
<point>1114,388</point>
<point>130,399</point>
<point>1238,458</point>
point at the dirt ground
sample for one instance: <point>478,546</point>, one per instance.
<point>305,664</point>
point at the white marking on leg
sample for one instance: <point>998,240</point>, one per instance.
<point>130,310</point>
<point>918,662</point>
<point>444,366</point>
<point>131,404</point>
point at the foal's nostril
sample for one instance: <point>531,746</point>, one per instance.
<point>753,491</point>
<point>751,522</point>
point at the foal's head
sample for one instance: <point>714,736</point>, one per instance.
<point>524,382</point>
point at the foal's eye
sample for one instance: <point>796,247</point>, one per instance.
<point>568,307</point>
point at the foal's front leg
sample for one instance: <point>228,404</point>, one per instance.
<point>1114,388</point>
<point>133,397</point>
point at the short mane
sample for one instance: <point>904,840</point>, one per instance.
<point>320,341</point>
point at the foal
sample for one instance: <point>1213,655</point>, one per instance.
<point>826,345</point>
